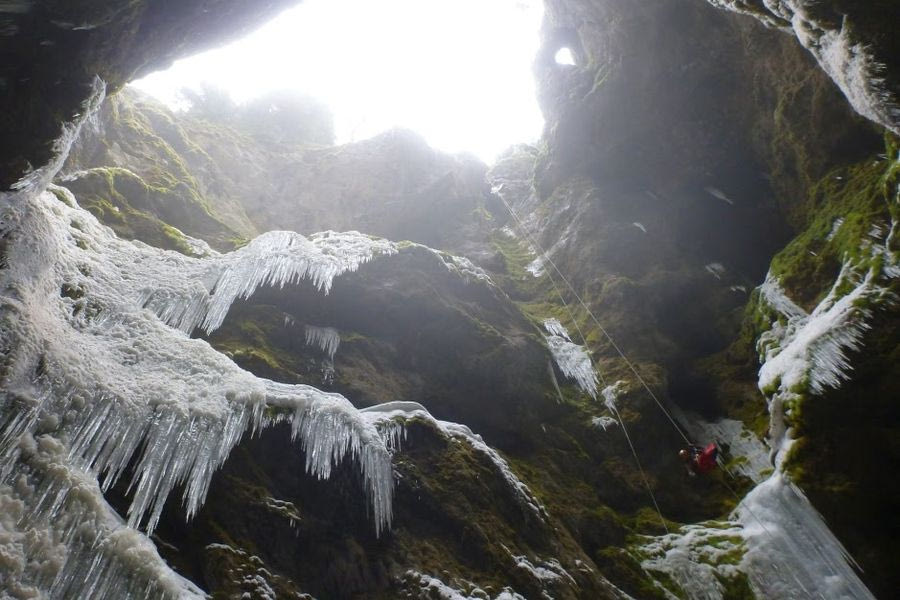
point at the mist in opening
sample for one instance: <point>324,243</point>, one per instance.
<point>457,72</point>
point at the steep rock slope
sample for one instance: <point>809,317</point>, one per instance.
<point>690,159</point>
<point>647,192</point>
<point>53,50</point>
<point>393,185</point>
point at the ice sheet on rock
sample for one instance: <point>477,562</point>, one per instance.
<point>544,571</point>
<point>774,295</point>
<point>554,327</point>
<point>327,339</point>
<point>750,456</point>
<point>246,574</point>
<point>538,266</point>
<point>835,227</point>
<point>389,418</point>
<point>572,359</point>
<point>790,550</point>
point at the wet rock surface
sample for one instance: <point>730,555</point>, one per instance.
<point>687,152</point>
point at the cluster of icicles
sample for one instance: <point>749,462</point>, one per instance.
<point>100,381</point>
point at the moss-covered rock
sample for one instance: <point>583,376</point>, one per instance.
<point>131,207</point>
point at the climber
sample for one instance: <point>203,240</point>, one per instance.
<point>699,460</point>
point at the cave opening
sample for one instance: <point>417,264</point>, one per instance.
<point>565,57</point>
<point>457,73</point>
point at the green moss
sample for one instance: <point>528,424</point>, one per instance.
<point>736,587</point>
<point>855,198</point>
<point>622,567</point>
<point>126,203</point>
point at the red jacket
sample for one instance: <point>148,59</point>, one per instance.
<point>705,460</point>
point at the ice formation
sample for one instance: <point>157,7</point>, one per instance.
<point>99,384</point>
<point>327,339</point>
<point>790,548</point>
<point>848,62</point>
<point>572,359</point>
<point>462,266</point>
<point>390,417</point>
<point>604,422</point>
<point>188,292</point>
<point>550,571</point>
<point>835,227</point>
<point>611,393</point>
<point>715,269</point>
<point>717,193</point>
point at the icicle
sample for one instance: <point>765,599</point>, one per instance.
<point>326,338</point>
<point>391,415</point>
<point>107,385</point>
<point>274,258</point>
<point>715,269</point>
<point>572,359</point>
<point>603,423</point>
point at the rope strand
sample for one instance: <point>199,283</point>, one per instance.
<point>597,371</point>
<point>609,338</point>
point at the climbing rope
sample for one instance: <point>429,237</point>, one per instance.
<point>602,329</point>
<point>633,369</point>
<point>611,405</point>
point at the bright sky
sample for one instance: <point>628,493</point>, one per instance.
<point>456,71</point>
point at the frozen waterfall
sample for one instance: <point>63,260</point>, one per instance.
<point>101,382</point>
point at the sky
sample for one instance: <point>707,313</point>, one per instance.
<point>456,71</point>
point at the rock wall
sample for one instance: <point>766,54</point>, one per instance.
<point>53,49</point>
<point>688,152</point>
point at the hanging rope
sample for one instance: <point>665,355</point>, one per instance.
<point>612,406</point>
<point>612,342</point>
<point>634,370</point>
